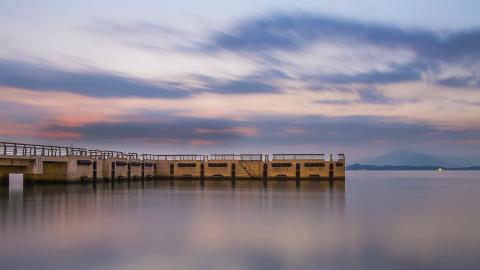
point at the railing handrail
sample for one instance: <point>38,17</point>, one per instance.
<point>298,156</point>
<point>26,149</point>
<point>242,157</point>
<point>174,157</point>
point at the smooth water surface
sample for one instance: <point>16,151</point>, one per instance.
<point>375,220</point>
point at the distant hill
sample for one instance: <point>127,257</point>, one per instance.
<point>357,167</point>
<point>408,158</point>
<point>411,160</point>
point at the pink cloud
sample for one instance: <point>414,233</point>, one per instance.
<point>246,131</point>
<point>159,140</point>
<point>60,135</point>
<point>202,142</point>
<point>294,130</point>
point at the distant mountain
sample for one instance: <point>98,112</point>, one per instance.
<point>357,167</point>
<point>412,158</point>
<point>408,158</point>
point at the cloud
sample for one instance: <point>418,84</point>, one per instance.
<point>416,101</point>
<point>460,81</point>
<point>365,96</point>
<point>398,74</point>
<point>97,84</point>
<point>241,86</point>
<point>103,84</point>
<point>183,130</point>
<point>373,96</point>
<point>143,35</point>
<point>132,28</point>
<point>202,142</point>
<point>331,50</point>
<point>295,31</point>
<point>268,132</point>
<point>235,87</point>
<point>334,101</point>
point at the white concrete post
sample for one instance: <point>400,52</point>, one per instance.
<point>15,182</point>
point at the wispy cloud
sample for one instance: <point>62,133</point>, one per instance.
<point>295,31</point>
<point>95,83</point>
<point>270,132</point>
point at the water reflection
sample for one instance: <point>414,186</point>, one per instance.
<point>377,222</point>
<point>49,205</point>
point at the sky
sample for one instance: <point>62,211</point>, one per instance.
<point>354,77</point>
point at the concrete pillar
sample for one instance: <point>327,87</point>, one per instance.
<point>38,166</point>
<point>15,192</point>
<point>15,182</point>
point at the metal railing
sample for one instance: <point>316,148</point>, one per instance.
<point>104,154</point>
<point>242,157</point>
<point>298,156</point>
<point>148,157</point>
<point>23,149</point>
<point>180,157</point>
<point>132,156</point>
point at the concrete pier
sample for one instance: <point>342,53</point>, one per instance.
<point>46,164</point>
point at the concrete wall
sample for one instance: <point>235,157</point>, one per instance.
<point>308,168</point>
<point>163,168</point>
<point>192,170</point>
<point>119,168</point>
<point>216,168</point>
<point>9,165</point>
<point>243,169</point>
<point>135,168</point>
<point>50,168</point>
<point>81,168</point>
<point>281,168</point>
<point>338,169</point>
<point>249,169</point>
<point>313,168</point>
<point>84,169</point>
<point>149,169</point>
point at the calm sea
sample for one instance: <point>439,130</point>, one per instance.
<point>375,220</point>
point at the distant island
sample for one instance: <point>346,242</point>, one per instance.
<point>359,167</point>
<point>405,160</point>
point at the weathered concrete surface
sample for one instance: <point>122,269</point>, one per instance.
<point>163,168</point>
<point>309,168</point>
<point>45,169</point>
<point>149,169</point>
<point>81,168</point>
<point>186,168</point>
<point>234,168</point>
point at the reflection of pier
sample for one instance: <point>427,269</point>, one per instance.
<point>46,207</point>
<point>44,163</point>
